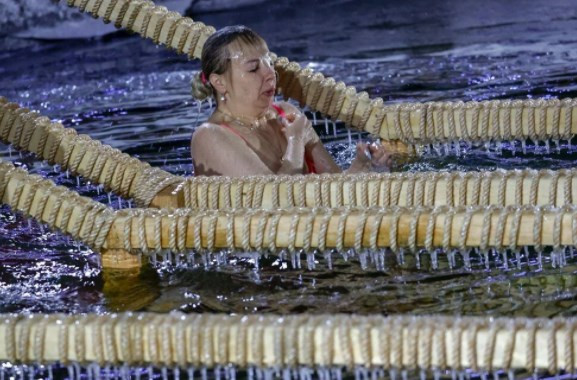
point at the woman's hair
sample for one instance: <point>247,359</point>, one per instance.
<point>215,56</point>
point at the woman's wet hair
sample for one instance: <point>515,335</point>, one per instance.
<point>216,56</point>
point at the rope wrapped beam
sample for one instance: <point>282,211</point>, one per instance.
<point>56,206</point>
<point>65,210</point>
<point>499,187</point>
<point>289,342</point>
<point>366,231</point>
<point>151,21</point>
<point>431,122</point>
<point>412,123</point>
<point>118,172</point>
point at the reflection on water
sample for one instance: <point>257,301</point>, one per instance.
<point>239,288</point>
<point>135,97</point>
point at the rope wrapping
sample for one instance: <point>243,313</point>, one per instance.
<point>58,207</point>
<point>409,343</point>
<point>499,187</point>
<point>400,229</point>
<point>151,182</point>
<point>81,155</point>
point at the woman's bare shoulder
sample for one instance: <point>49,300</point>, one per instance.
<point>208,127</point>
<point>209,131</point>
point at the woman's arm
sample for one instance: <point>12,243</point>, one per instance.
<point>377,157</point>
<point>324,162</point>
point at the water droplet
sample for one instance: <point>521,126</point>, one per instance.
<point>328,256</point>
<point>310,260</point>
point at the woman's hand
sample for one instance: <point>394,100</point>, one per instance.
<point>371,157</point>
<point>298,127</point>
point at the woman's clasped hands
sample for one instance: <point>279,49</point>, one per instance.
<point>298,128</point>
<point>369,156</point>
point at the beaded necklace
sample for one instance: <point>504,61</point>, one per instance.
<point>251,126</point>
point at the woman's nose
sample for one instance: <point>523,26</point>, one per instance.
<point>271,77</point>
<point>269,72</point>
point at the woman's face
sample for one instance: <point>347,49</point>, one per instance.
<point>252,80</point>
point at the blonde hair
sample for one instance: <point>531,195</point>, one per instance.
<point>200,89</point>
<point>215,56</point>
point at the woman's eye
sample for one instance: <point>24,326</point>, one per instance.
<point>254,70</point>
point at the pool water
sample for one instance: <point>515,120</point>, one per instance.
<point>134,96</point>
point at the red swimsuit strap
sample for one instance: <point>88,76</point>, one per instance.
<point>234,131</point>
<point>279,110</point>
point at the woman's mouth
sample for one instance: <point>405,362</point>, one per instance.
<point>270,92</point>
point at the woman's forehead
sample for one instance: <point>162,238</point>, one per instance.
<point>242,52</point>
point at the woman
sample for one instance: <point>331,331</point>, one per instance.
<point>248,134</point>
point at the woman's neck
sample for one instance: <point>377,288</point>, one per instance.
<point>248,115</point>
<point>250,122</point>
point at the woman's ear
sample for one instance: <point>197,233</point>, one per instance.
<point>218,82</point>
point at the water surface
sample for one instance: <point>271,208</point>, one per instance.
<point>134,96</point>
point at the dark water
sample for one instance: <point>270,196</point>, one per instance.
<point>135,96</point>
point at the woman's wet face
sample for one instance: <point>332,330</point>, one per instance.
<point>252,76</point>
